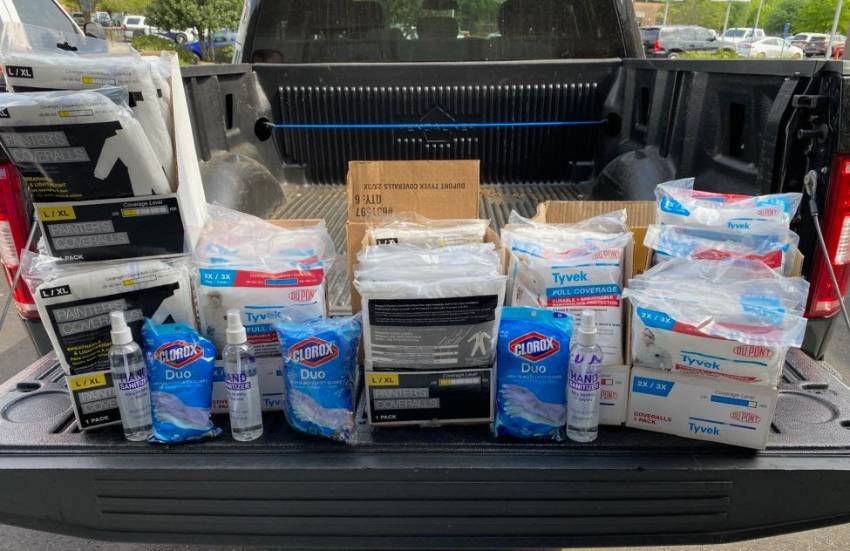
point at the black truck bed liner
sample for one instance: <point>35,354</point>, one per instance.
<point>416,488</point>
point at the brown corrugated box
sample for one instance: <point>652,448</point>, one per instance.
<point>433,189</point>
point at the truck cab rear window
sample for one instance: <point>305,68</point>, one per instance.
<point>341,31</point>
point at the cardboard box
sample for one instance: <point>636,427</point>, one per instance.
<point>135,227</point>
<point>701,408</point>
<point>613,394</point>
<point>430,398</point>
<point>93,399</point>
<point>379,189</point>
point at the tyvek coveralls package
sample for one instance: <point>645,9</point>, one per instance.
<point>728,319</point>
<point>180,368</point>
<point>77,146</point>
<point>682,241</point>
<point>269,273</point>
<point>765,215</point>
<point>36,64</point>
<point>428,309</point>
<point>320,374</point>
<point>571,268</point>
<point>423,232</point>
<point>531,373</point>
<point>74,303</point>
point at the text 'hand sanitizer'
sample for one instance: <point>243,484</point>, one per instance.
<point>584,381</point>
<point>130,378</point>
<point>241,382</point>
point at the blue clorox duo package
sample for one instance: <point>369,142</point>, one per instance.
<point>180,367</point>
<point>320,375</point>
<point>533,357</point>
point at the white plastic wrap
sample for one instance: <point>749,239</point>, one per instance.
<point>680,241</point>
<point>36,64</point>
<point>388,262</point>
<point>416,230</point>
<point>268,272</point>
<point>571,268</point>
<point>79,146</point>
<point>428,325</point>
<point>680,204</point>
<point>74,303</point>
<point>732,319</point>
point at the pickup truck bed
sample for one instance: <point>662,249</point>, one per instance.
<point>423,488</point>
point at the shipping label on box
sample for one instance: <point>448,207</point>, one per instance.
<point>700,407</point>
<point>430,398</point>
<point>110,229</point>
<point>613,394</point>
<point>93,398</point>
<point>270,374</point>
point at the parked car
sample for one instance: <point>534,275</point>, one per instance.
<point>103,18</point>
<point>769,48</point>
<point>741,34</point>
<point>180,37</point>
<point>135,25</point>
<point>672,40</point>
<point>805,41</point>
<point>219,39</point>
<point>817,47</point>
<point>79,18</point>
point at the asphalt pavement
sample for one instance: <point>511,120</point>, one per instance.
<point>16,351</point>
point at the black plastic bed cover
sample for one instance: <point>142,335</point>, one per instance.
<point>424,488</point>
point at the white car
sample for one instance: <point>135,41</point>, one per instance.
<point>769,48</point>
<point>741,34</point>
<point>135,25</point>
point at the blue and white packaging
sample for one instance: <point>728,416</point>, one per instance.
<point>180,365</point>
<point>533,357</point>
<point>320,375</point>
<point>680,204</point>
<point>701,408</point>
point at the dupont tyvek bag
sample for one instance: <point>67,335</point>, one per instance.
<point>681,241</point>
<point>180,371</point>
<point>679,204</point>
<point>399,261</point>
<point>729,319</point>
<point>320,375</point>
<point>416,230</point>
<point>531,373</point>
<point>32,67</point>
<point>571,268</point>
<point>74,303</point>
<point>430,324</point>
<point>267,272</point>
<point>77,146</point>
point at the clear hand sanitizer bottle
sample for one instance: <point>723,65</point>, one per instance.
<point>241,382</point>
<point>584,381</point>
<point>130,378</point>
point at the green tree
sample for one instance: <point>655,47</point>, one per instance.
<point>403,12</point>
<point>478,16</point>
<point>816,16</point>
<point>205,16</point>
<point>776,14</point>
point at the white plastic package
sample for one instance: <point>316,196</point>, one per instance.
<point>269,273</point>
<point>74,303</point>
<point>422,232</point>
<point>430,324</point>
<point>38,65</point>
<point>388,262</point>
<point>680,241</point>
<point>679,204</point>
<point>79,146</point>
<point>571,268</point>
<point>729,319</point>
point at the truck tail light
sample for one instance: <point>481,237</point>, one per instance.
<point>656,47</point>
<point>14,230</point>
<point>823,299</point>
